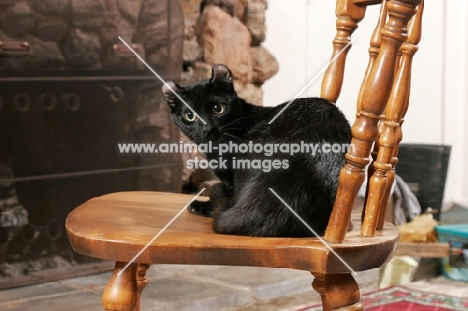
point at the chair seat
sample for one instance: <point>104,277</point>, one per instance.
<point>117,226</point>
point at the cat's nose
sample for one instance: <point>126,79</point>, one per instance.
<point>207,128</point>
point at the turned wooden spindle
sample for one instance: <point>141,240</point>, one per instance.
<point>396,111</point>
<point>121,292</point>
<point>374,49</point>
<point>365,131</point>
<point>373,52</point>
<point>348,15</point>
<point>338,291</point>
<point>142,281</point>
<point>370,168</point>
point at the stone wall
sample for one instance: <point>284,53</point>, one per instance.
<point>82,34</point>
<point>229,32</point>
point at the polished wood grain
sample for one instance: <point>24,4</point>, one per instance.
<point>398,103</point>
<point>365,129</point>
<point>121,292</point>
<point>390,133</point>
<point>142,281</point>
<point>118,225</point>
<point>348,15</point>
<point>374,49</point>
<point>338,291</point>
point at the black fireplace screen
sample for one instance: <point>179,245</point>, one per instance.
<point>70,92</point>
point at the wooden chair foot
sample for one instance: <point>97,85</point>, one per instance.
<point>121,292</point>
<point>338,292</point>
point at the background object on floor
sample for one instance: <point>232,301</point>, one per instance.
<point>399,270</point>
<point>424,169</point>
<point>455,266</point>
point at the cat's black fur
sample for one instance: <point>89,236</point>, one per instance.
<point>243,203</point>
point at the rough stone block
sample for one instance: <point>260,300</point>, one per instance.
<point>53,30</point>
<point>50,7</point>
<point>46,55</point>
<point>255,20</point>
<point>89,14</point>
<point>252,94</point>
<point>232,7</point>
<point>192,51</point>
<point>226,40</point>
<point>130,10</point>
<point>82,49</point>
<point>264,65</point>
<point>17,20</point>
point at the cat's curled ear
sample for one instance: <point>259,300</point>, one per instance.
<point>220,72</point>
<point>168,90</point>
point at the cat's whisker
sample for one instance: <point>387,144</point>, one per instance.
<point>229,132</point>
<point>235,130</point>
<point>232,136</point>
<point>235,122</point>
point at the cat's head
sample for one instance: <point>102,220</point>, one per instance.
<point>205,110</point>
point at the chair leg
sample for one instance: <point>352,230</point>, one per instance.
<point>142,281</point>
<point>338,292</point>
<point>122,291</point>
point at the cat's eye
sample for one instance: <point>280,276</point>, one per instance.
<point>218,108</point>
<point>190,116</point>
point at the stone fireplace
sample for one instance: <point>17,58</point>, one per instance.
<point>70,92</point>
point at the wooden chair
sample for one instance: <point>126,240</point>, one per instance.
<point>118,226</point>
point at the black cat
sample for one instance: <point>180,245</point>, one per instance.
<point>307,181</point>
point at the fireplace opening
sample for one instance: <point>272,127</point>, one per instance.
<point>70,92</point>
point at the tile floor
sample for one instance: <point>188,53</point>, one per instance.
<point>183,288</point>
<point>205,288</point>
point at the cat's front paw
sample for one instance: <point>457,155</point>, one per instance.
<point>202,208</point>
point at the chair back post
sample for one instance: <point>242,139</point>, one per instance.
<point>374,49</point>
<point>399,100</point>
<point>384,174</point>
<point>365,129</point>
<point>348,15</point>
